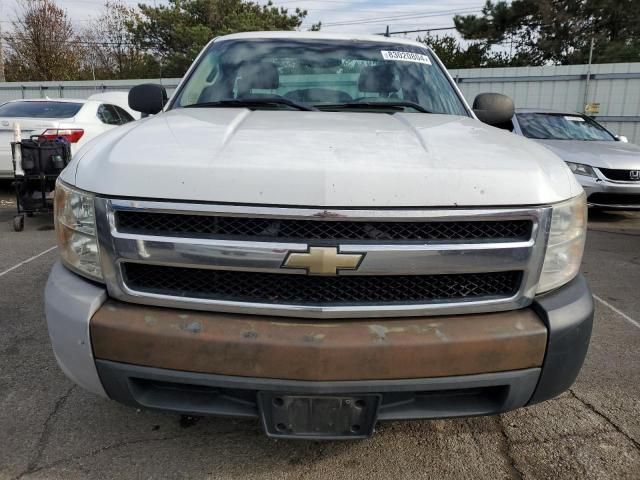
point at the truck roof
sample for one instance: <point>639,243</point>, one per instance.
<point>321,36</point>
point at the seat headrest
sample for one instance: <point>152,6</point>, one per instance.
<point>262,75</point>
<point>378,79</point>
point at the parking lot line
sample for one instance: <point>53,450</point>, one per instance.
<point>619,312</point>
<point>24,262</point>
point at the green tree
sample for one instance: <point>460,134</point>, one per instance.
<point>176,32</point>
<point>558,31</point>
<point>454,55</point>
<point>515,26</point>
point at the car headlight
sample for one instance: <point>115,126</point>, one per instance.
<point>581,169</point>
<point>566,243</point>
<point>75,223</point>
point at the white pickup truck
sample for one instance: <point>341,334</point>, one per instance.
<point>318,231</point>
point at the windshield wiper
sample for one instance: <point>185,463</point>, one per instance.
<point>395,105</point>
<point>253,102</point>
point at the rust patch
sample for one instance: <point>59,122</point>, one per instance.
<point>250,334</point>
<point>313,338</point>
<point>328,214</point>
<point>297,349</point>
<point>193,327</point>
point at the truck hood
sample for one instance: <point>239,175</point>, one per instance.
<point>341,159</point>
<point>618,155</point>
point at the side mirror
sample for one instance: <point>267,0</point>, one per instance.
<point>149,98</point>
<point>622,138</point>
<point>493,108</point>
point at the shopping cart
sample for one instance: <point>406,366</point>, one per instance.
<point>37,163</point>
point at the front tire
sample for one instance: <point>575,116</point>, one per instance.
<point>18,223</point>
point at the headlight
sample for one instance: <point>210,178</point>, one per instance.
<point>566,243</point>
<point>580,169</point>
<point>75,224</point>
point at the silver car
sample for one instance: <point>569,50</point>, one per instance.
<point>606,165</point>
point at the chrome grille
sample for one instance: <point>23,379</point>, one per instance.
<point>620,175</point>
<point>308,290</point>
<point>294,230</point>
<point>230,258</point>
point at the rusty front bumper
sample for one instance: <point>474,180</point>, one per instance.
<point>273,347</point>
<point>219,364</point>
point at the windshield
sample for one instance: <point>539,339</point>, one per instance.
<point>40,109</point>
<point>329,75</point>
<point>559,126</point>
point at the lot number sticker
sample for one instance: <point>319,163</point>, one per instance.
<point>405,57</point>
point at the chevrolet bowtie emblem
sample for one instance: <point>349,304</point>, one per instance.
<point>323,261</point>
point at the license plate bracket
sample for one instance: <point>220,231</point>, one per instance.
<point>318,417</point>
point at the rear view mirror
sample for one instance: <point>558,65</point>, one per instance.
<point>493,108</point>
<point>149,98</point>
<point>622,138</point>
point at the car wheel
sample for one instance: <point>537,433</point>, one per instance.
<point>18,223</point>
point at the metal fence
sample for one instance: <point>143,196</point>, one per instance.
<point>615,86</point>
<point>80,89</point>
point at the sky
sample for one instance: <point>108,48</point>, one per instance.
<point>358,16</point>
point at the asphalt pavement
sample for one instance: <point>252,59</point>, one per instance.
<point>51,429</point>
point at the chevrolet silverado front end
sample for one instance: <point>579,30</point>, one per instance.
<point>316,231</point>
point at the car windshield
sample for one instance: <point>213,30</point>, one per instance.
<point>322,74</point>
<point>40,109</point>
<point>560,126</point>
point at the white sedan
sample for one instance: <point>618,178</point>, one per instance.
<point>76,120</point>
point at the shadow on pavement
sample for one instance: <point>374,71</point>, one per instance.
<point>599,215</point>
